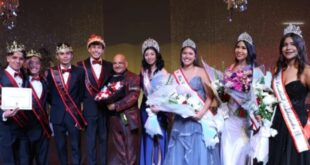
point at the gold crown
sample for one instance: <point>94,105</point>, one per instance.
<point>15,47</point>
<point>95,38</point>
<point>63,48</point>
<point>33,53</point>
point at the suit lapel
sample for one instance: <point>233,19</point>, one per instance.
<point>91,73</point>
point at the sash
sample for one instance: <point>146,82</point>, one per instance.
<point>181,80</point>
<point>146,83</point>
<point>67,100</point>
<point>40,113</point>
<point>20,118</point>
<point>289,115</point>
<point>90,88</point>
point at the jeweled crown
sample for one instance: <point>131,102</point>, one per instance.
<point>15,47</point>
<point>245,37</point>
<point>150,42</point>
<point>95,38</point>
<point>63,48</point>
<point>292,29</point>
<point>189,43</point>
<point>33,53</point>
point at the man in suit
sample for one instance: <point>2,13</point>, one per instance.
<point>66,91</point>
<point>124,121</point>
<point>97,72</point>
<point>12,121</point>
<point>37,130</point>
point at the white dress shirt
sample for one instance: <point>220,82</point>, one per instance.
<point>96,68</point>
<point>65,75</point>
<point>37,86</point>
<point>19,80</point>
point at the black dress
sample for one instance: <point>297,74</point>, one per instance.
<point>282,150</point>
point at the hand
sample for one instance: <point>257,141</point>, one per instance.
<point>10,113</point>
<point>258,118</point>
<point>111,107</point>
<point>306,130</point>
<point>154,109</point>
<point>199,115</point>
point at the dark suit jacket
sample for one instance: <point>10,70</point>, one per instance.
<point>92,108</point>
<point>8,129</point>
<point>76,89</point>
<point>129,104</point>
<point>34,125</point>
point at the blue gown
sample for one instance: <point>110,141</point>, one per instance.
<point>186,146</point>
<point>152,150</point>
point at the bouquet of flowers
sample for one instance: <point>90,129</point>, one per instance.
<point>113,91</point>
<point>266,104</point>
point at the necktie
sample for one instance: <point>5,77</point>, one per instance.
<point>36,78</point>
<point>65,70</point>
<point>18,74</point>
<point>96,62</point>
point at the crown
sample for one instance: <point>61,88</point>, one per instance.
<point>63,48</point>
<point>292,29</point>
<point>95,38</point>
<point>189,43</point>
<point>245,37</point>
<point>33,53</point>
<point>15,47</point>
<point>148,43</point>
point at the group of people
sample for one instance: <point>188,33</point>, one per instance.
<point>116,128</point>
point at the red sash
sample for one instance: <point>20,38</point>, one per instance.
<point>181,80</point>
<point>90,88</point>
<point>40,113</point>
<point>67,100</point>
<point>20,118</point>
<point>289,115</point>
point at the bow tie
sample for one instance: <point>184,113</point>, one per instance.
<point>96,62</point>
<point>65,70</point>
<point>18,74</point>
<point>36,78</point>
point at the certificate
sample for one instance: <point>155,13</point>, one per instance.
<point>13,98</point>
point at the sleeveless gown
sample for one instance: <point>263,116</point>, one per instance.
<point>282,150</point>
<point>186,146</point>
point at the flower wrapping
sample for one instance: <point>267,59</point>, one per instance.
<point>113,91</point>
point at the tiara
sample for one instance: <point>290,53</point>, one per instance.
<point>292,29</point>
<point>148,43</point>
<point>245,37</point>
<point>15,47</point>
<point>33,53</point>
<point>63,48</point>
<point>95,38</point>
<point>189,43</point>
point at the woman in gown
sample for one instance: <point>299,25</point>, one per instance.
<point>294,71</point>
<point>153,149</point>
<point>186,145</point>
<point>234,140</point>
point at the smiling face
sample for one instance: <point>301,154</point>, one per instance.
<point>34,65</point>
<point>289,50</point>
<point>96,50</point>
<point>241,51</point>
<point>150,57</point>
<point>16,60</point>
<point>188,56</point>
<point>120,63</point>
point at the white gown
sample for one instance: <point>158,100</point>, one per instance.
<point>234,140</point>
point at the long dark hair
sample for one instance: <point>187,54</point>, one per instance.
<point>251,57</point>
<point>301,59</point>
<point>160,63</point>
<point>196,62</point>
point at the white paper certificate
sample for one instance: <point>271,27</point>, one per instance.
<point>13,98</point>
